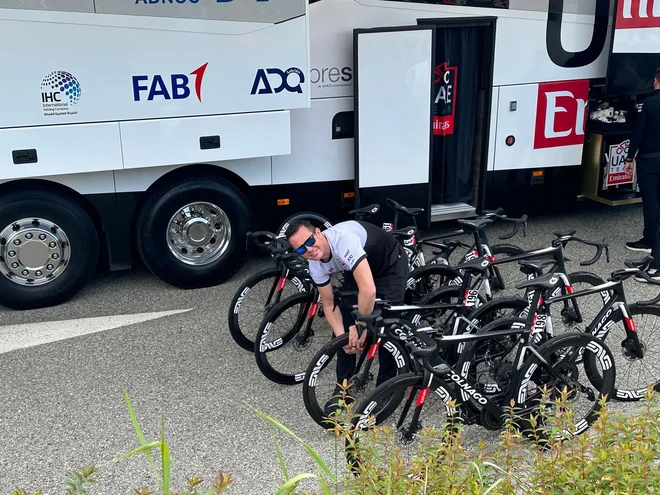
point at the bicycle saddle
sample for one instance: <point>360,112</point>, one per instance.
<point>474,225</point>
<point>411,212</point>
<point>366,210</point>
<point>546,282</point>
<point>533,267</point>
<point>476,265</point>
<point>405,233</point>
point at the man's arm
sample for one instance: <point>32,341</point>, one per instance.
<point>638,133</point>
<point>332,314</point>
<point>366,287</point>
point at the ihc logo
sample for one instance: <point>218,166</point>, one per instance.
<point>60,84</point>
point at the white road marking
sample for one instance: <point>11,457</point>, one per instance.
<point>13,337</point>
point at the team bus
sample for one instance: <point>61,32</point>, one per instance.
<point>164,130</point>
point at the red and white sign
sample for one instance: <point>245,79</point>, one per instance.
<point>561,114</point>
<point>446,79</point>
<point>633,14</point>
<point>615,163</point>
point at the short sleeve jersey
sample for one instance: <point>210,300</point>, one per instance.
<point>352,241</point>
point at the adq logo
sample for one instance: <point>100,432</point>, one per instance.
<point>269,81</point>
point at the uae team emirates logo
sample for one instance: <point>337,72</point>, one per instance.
<point>445,99</point>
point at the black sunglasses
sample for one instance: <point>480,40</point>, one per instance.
<point>308,243</point>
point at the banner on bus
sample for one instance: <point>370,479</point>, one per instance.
<point>616,158</point>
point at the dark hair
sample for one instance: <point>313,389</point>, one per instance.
<point>295,225</point>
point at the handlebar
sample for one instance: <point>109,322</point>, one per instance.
<point>294,262</point>
<point>517,222</point>
<point>268,241</point>
<point>562,239</point>
<point>638,267</point>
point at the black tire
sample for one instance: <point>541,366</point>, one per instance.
<point>81,253</point>
<point>287,343</point>
<point>322,360</point>
<point>425,279</point>
<point>379,401</point>
<point>650,341</point>
<point>531,377</point>
<point>244,334</point>
<point>314,218</point>
<point>152,233</point>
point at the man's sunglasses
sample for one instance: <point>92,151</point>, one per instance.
<point>308,243</point>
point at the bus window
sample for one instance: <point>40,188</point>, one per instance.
<point>499,4</point>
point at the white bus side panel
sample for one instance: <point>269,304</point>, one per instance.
<point>85,183</point>
<point>254,171</point>
<point>315,156</point>
<point>61,149</point>
<point>153,143</point>
<point>524,124</point>
<point>136,67</point>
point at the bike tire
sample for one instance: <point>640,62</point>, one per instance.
<point>363,412</point>
<point>314,218</point>
<point>325,356</point>
<point>302,305</point>
<point>528,375</point>
<point>637,393</point>
<point>243,335</point>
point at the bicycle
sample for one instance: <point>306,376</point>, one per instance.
<point>297,315</point>
<point>472,315</point>
<point>540,366</point>
<point>616,313</point>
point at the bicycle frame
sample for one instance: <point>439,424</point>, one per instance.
<point>464,384</point>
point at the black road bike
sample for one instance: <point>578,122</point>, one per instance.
<point>557,364</point>
<point>624,326</point>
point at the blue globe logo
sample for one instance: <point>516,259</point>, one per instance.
<point>65,83</point>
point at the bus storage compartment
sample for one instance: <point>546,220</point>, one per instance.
<point>59,149</point>
<point>153,143</point>
<point>540,134</point>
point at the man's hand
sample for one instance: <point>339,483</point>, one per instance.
<point>628,167</point>
<point>355,344</point>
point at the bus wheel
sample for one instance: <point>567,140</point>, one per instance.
<point>191,233</point>
<point>49,249</point>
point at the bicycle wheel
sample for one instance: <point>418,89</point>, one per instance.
<point>495,309</point>
<point>314,218</point>
<point>564,315</point>
<point>323,378</point>
<point>633,375</point>
<point>289,337</point>
<point>255,297</point>
<point>562,354</point>
<point>378,410</point>
<point>490,365</point>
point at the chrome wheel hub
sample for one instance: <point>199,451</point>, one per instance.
<point>33,251</point>
<point>199,233</point>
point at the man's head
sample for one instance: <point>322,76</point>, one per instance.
<point>302,234</point>
<point>656,79</point>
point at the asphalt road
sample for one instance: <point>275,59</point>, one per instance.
<point>61,401</point>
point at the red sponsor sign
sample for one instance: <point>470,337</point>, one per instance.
<point>632,14</point>
<point>561,114</point>
<point>446,78</point>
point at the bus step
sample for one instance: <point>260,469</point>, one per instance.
<point>451,211</point>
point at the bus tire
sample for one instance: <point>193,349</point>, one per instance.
<point>191,233</point>
<point>49,248</point>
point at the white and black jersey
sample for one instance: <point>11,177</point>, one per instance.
<point>352,241</point>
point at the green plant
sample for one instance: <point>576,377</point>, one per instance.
<point>619,454</point>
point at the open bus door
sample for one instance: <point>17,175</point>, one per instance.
<point>423,99</point>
